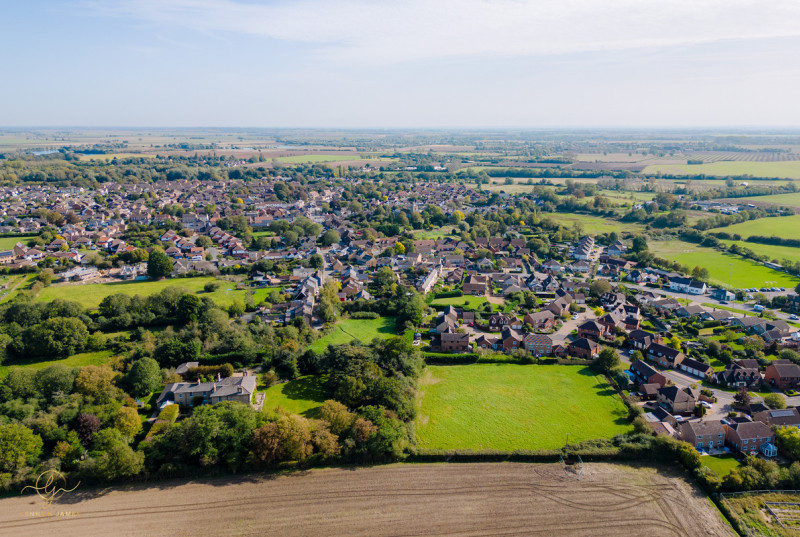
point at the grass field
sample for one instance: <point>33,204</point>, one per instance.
<point>90,295</point>
<point>434,234</point>
<point>508,407</point>
<point>788,200</point>
<point>300,396</point>
<point>722,464</point>
<point>364,330</point>
<point>785,227</point>
<point>467,301</point>
<point>300,159</point>
<point>743,272</point>
<point>593,224</point>
<point>7,243</point>
<point>76,360</point>
<point>772,251</point>
<point>788,169</point>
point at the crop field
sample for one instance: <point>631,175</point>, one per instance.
<point>752,513</point>
<point>509,407</point>
<point>76,360</point>
<point>90,295</point>
<point>300,396</point>
<point>785,227</point>
<point>742,272</point>
<point>364,330</point>
<point>400,499</point>
<point>787,169</point>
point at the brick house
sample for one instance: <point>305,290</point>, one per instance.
<point>736,375</point>
<point>541,320</point>
<point>704,434</point>
<point>584,348</point>
<point>664,356</point>
<point>453,342</point>
<point>591,330</point>
<point>511,340</point>
<point>784,376</point>
<point>645,374</point>
<point>640,339</point>
<point>677,400</point>
<point>538,344</point>
<point>498,321</point>
<point>748,437</point>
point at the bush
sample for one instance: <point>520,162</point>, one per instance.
<point>169,413</point>
<point>449,294</point>
<point>446,359</point>
<point>364,315</point>
<point>210,287</point>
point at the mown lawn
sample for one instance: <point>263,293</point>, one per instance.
<point>721,464</point>
<point>76,360</point>
<point>364,330</point>
<point>7,243</point>
<point>300,396</point>
<point>90,295</point>
<point>509,406</point>
<point>467,301</point>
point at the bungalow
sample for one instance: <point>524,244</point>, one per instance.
<point>664,356</point>
<point>645,374</point>
<point>476,285</point>
<point>784,376</point>
<point>584,348</point>
<point>704,434</point>
<point>750,437</point>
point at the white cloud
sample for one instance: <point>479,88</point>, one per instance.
<point>392,31</point>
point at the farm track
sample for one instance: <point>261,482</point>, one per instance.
<point>470,500</point>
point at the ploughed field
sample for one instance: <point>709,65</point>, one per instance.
<point>403,499</point>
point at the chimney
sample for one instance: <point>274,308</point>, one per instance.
<point>219,376</point>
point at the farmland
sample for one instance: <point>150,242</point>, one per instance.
<point>787,200</point>
<point>773,251</point>
<point>750,510</point>
<point>76,360</point>
<point>90,295</point>
<point>429,499</point>
<point>364,330</point>
<point>785,227</point>
<point>743,272</point>
<point>786,169</point>
<point>300,396</point>
<point>508,407</point>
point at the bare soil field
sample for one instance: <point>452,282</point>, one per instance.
<point>403,499</point>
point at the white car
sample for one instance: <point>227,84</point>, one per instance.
<point>575,317</point>
<point>793,317</point>
<point>706,404</point>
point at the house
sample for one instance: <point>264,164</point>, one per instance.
<point>687,285</point>
<point>541,320</point>
<point>584,348</point>
<point>788,417</point>
<point>784,376</point>
<point>454,342</point>
<point>645,374</point>
<point>486,342</point>
<point>592,330</point>
<point>677,400</point>
<point>510,340</point>
<point>750,437</point>
<point>498,321</point>
<point>736,375</point>
<point>704,435</point>
<point>538,344</point>
<point>664,356</point>
<point>239,389</point>
<point>476,285</point>
<point>689,311</point>
<point>695,368</point>
<point>640,339</point>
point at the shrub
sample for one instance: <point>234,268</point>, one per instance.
<point>364,315</point>
<point>169,413</point>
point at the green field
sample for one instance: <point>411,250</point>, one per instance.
<point>300,396</point>
<point>7,243</point>
<point>509,407</point>
<point>721,464</point>
<point>434,234</point>
<point>788,169</point>
<point>788,200</point>
<point>593,224</point>
<point>90,295</point>
<point>364,330</point>
<point>772,251</point>
<point>76,360</point>
<point>743,272</point>
<point>467,301</point>
<point>785,227</point>
<point>300,159</point>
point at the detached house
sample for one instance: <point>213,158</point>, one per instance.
<point>677,400</point>
<point>538,344</point>
<point>584,348</point>
<point>239,389</point>
<point>784,376</point>
<point>645,374</point>
<point>751,437</point>
<point>704,434</point>
<point>664,356</point>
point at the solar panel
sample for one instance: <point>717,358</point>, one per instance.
<point>781,413</point>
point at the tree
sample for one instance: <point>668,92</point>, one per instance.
<point>639,244</point>
<point>599,287</point>
<point>210,287</point>
<point>159,265</point>
<point>55,381</point>
<point>382,281</point>
<point>775,400</point>
<point>97,382</point>
<point>338,418</point>
<point>57,336</point>
<point>287,439</point>
<point>86,425</point>
<point>330,237</point>
<point>742,397</point>
<point>45,276</point>
<point>127,422</point>
<point>316,262</point>
<point>399,248</point>
<point>144,377</point>
<point>188,307</point>
<point>637,356</point>
<point>113,458</point>
<point>607,361</point>
<point>204,241</point>
<point>18,445</point>
<point>675,343</point>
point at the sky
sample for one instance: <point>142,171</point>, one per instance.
<point>400,63</point>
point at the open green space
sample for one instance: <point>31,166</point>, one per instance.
<point>90,295</point>
<point>722,266</point>
<point>468,302</point>
<point>788,200</point>
<point>76,360</point>
<point>785,227</point>
<point>434,234</point>
<point>509,407</point>
<point>721,464</point>
<point>786,169</point>
<point>299,159</point>
<point>364,330</point>
<point>592,224</point>
<point>302,395</point>
<point>773,251</point>
<point>7,243</point>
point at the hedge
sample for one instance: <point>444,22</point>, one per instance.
<point>364,315</point>
<point>447,359</point>
<point>169,413</point>
<point>449,294</point>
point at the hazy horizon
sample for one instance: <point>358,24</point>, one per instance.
<point>409,64</point>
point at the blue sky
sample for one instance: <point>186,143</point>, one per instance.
<point>400,63</point>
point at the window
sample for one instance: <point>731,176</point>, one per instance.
<point>745,440</point>
<point>700,437</point>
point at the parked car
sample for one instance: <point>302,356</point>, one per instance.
<point>706,404</point>
<point>794,317</point>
